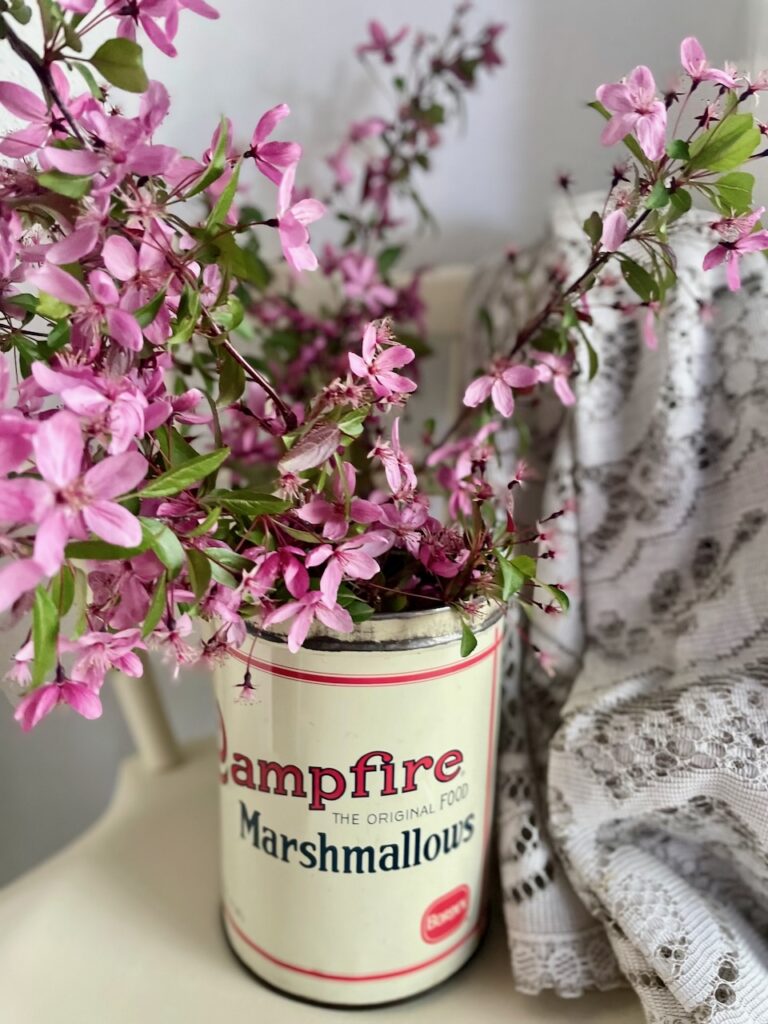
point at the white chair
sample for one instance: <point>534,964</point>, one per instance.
<point>123,925</point>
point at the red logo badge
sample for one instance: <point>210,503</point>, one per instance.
<point>445,915</point>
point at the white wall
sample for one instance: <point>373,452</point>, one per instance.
<point>491,188</point>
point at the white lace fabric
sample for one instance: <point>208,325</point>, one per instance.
<point>633,786</point>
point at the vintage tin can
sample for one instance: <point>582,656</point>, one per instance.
<point>357,782</point>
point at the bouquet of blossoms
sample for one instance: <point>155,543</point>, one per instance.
<point>181,441</point>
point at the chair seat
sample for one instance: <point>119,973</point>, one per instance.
<point>123,926</point>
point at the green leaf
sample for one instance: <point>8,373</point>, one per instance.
<point>352,423</point>
<point>207,524</point>
<point>218,162</point>
<point>181,477</point>
<point>681,203</point>
<point>146,314</point>
<point>165,544</point>
<point>51,308</point>
<point>93,86</point>
<point>20,12</point>
<point>248,503</point>
<point>359,610</point>
<point>120,61</point>
<point>101,551</point>
<point>658,198</point>
<point>726,145</point>
<point>511,578</point>
<point>156,608</point>
<point>70,185</point>
<point>175,446</point>
<point>199,572</point>
<point>230,314</point>
<point>594,362</point>
<point>45,636</point>
<point>388,257</point>
<point>241,262</point>
<point>468,640</point>
<point>224,202</point>
<point>228,559</point>
<point>63,590</point>
<point>593,227</point>
<point>639,280</point>
<point>678,149</point>
<point>526,565</point>
<point>231,379</point>
<point>735,192</point>
<point>559,595</point>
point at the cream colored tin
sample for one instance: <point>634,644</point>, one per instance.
<point>357,785</point>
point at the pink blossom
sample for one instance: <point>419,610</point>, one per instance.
<point>158,18</point>
<point>694,60</point>
<point>98,652</point>
<point>635,109</point>
<point>737,238</point>
<point>114,406</point>
<point>67,503</point>
<point>223,603</point>
<point>42,123</point>
<point>338,163</point>
<point>377,365</point>
<point>498,385</point>
<point>123,150</point>
<point>397,466</point>
<point>41,701</point>
<point>292,220</point>
<point>370,128</point>
<point>285,563</point>
<point>335,515</point>
<point>100,306</point>
<point>404,521</point>
<point>273,158</point>
<point>355,559</point>
<point>615,227</point>
<point>172,638</point>
<point>303,612</point>
<point>557,369</point>
<point>380,42</point>
<point>361,281</point>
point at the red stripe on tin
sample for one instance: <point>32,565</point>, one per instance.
<point>327,976</point>
<point>343,680</point>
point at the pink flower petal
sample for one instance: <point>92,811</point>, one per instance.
<point>113,523</point>
<point>73,247</point>
<point>59,447</point>
<point>81,699</point>
<point>60,284</point>
<point>79,162</point>
<point>120,257</point>
<point>115,475</point>
<point>22,102</point>
<point>478,391</point>
<point>503,400</point>
<point>268,122</point>
<point>36,705</point>
<point>125,330</point>
<point>52,536</point>
<point>615,228</point>
<point>16,579</point>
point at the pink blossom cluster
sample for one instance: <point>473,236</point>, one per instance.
<point>181,440</point>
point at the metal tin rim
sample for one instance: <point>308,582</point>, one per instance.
<point>338,643</point>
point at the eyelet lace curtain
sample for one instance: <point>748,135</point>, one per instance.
<point>633,784</point>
